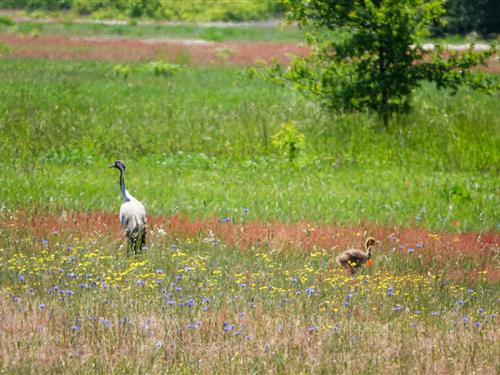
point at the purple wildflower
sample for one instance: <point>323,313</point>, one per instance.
<point>398,308</point>
<point>390,291</point>
<point>312,328</point>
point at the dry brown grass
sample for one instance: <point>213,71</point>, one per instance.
<point>272,343</point>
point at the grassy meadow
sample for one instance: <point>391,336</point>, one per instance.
<point>207,142</point>
<point>204,143</point>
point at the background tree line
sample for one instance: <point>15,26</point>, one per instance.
<point>462,16</point>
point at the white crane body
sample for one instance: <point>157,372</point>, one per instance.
<point>132,214</point>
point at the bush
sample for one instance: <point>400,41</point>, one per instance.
<point>6,20</point>
<point>161,68</point>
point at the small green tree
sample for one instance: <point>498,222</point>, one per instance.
<point>289,141</point>
<point>366,54</point>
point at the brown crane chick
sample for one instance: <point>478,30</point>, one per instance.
<point>353,259</point>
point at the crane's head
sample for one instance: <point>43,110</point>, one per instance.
<point>119,164</point>
<point>369,245</point>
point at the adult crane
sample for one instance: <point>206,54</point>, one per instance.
<point>353,259</point>
<point>132,214</point>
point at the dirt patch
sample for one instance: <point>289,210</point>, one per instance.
<point>126,49</point>
<point>130,49</point>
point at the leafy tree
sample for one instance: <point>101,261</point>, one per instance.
<point>366,54</point>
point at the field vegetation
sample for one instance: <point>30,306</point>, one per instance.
<point>72,304</point>
<point>211,152</point>
<point>251,191</point>
<point>269,33</point>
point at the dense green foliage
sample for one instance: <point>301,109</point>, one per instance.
<point>466,16</point>
<point>204,10</point>
<point>212,154</point>
<point>462,16</point>
<point>374,60</point>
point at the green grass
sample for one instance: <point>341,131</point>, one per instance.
<point>202,187</point>
<point>210,152</point>
<point>209,33</point>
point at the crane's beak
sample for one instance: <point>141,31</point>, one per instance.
<point>111,166</point>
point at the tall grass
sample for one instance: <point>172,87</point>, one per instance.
<point>53,108</point>
<point>200,142</point>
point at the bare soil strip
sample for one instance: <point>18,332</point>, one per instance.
<point>130,49</point>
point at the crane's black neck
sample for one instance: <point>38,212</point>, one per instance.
<point>369,253</point>
<point>122,186</point>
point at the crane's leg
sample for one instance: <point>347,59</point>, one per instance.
<point>131,246</point>
<point>139,240</point>
<point>142,238</point>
